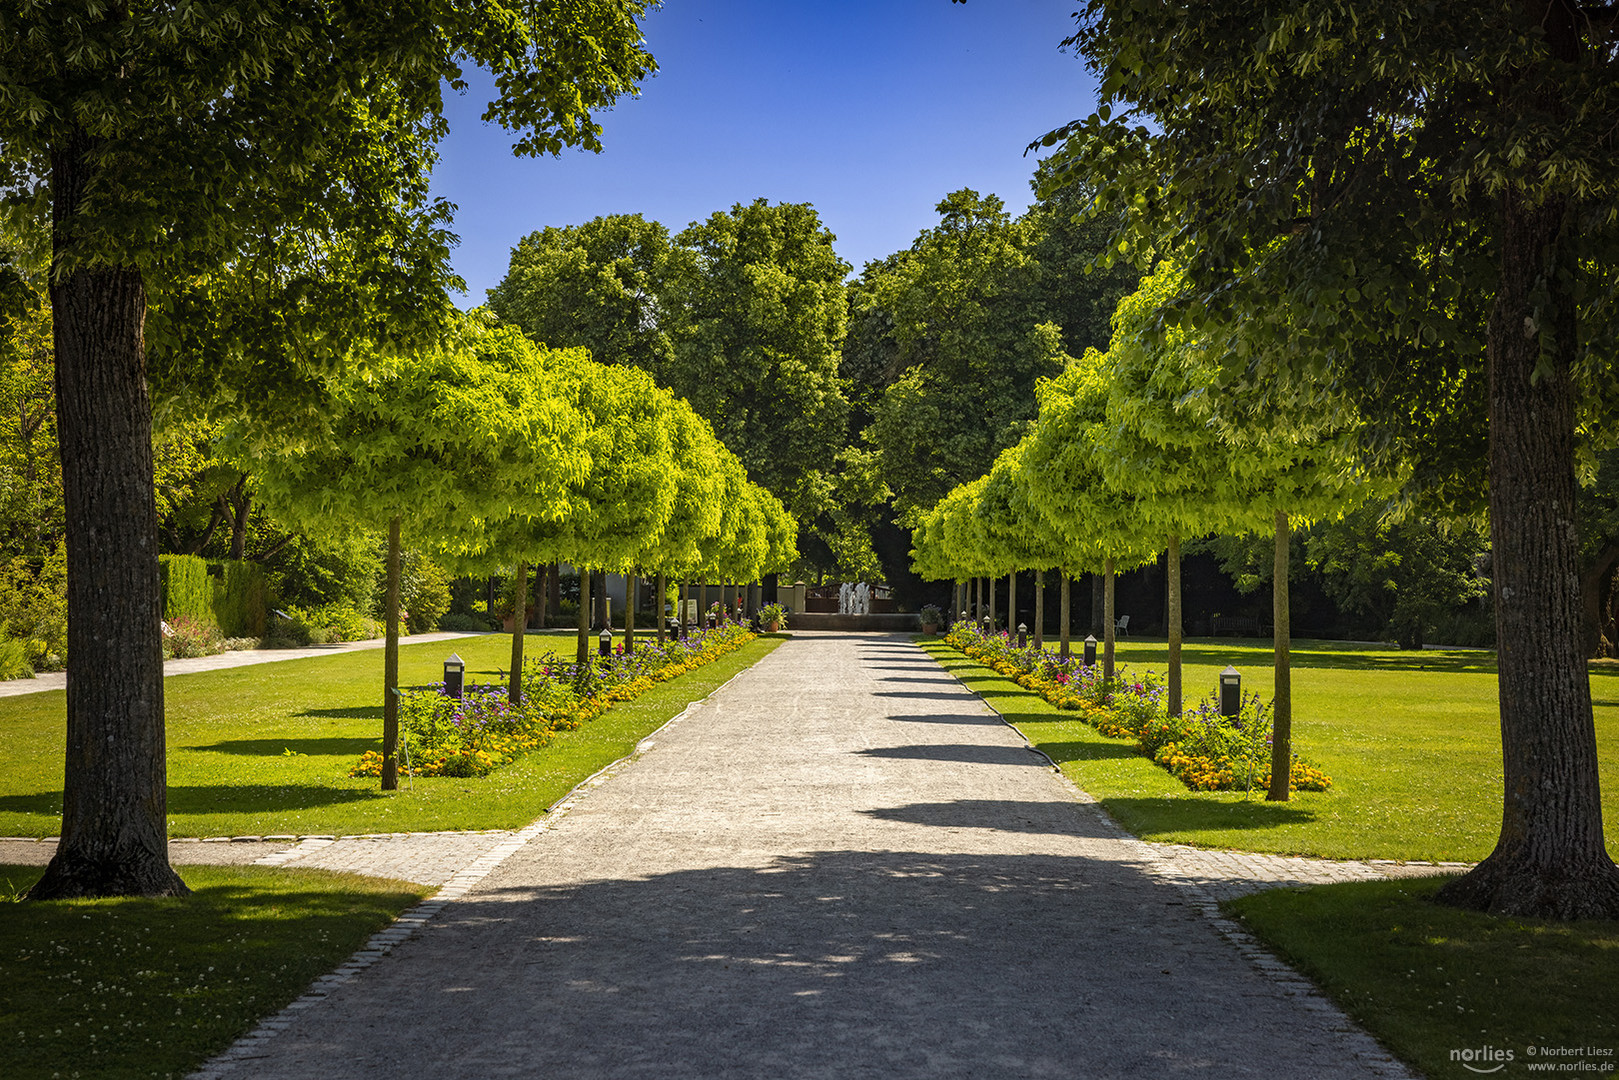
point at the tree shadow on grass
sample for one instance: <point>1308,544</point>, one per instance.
<point>1061,752</point>
<point>349,712</point>
<point>1193,813</point>
<point>331,747</point>
<point>248,798</point>
<point>39,802</point>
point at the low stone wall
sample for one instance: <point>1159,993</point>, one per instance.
<point>816,620</point>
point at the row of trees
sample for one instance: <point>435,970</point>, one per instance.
<point>1134,450</point>
<point>491,451</point>
<point>1408,216</point>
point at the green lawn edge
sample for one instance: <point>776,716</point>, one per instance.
<point>265,749</point>
<point>1445,989</point>
<point>1416,776</point>
<point>133,987</point>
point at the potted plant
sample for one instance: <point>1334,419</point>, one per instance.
<point>932,618</point>
<point>772,617</point>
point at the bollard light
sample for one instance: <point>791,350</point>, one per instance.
<point>606,642</point>
<point>455,670</point>
<point>989,627</point>
<point>963,614</point>
<point>1230,692</point>
<point>1090,650</point>
<point>1023,635</point>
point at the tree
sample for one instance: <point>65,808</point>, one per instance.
<point>972,339</point>
<point>595,286</point>
<point>755,302</point>
<point>234,199</point>
<point>1370,189</point>
<point>447,442</point>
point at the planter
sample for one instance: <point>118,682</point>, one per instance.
<point>772,628</point>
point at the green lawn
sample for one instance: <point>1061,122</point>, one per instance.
<point>1427,980</point>
<point>266,749</point>
<point>153,988</point>
<point>1411,740</point>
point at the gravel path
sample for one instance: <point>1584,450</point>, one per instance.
<point>841,864</point>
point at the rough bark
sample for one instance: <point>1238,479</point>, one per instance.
<point>1108,621</point>
<point>390,666</point>
<point>1550,860</point>
<point>514,678</point>
<point>114,839</point>
<point>1173,565</point>
<point>1281,747</point>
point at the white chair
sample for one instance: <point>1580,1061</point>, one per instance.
<point>1123,625</point>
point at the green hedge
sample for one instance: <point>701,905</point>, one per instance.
<point>232,595</point>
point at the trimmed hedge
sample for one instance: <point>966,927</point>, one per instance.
<point>232,595</point>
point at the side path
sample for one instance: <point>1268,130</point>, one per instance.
<point>57,680</point>
<point>841,864</point>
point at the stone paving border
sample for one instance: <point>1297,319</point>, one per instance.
<point>251,1046</point>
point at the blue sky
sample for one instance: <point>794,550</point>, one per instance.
<point>872,110</point>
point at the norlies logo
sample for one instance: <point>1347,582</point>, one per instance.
<point>1490,1056</point>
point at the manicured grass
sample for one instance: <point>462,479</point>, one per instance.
<point>1427,980</point>
<point>1411,740</point>
<point>266,749</point>
<point>153,988</point>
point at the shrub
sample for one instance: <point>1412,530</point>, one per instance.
<point>188,590</point>
<point>240,598</point>
<point>187,636</point>
<point>237,644</point>
<point>424,592</point>
<point>337,622</point>
<point>33,607</point>
<point>773,613</point>
<point>455,620</point>
<point>14,658</point>
<point>286,632</point>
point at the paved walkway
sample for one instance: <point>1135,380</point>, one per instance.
<point>841,864</point>
<point>57,680</point>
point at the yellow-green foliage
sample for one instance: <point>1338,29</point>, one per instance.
<point>187,589</point>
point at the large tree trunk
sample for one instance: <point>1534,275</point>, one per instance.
<point>390,666</point>
<point>514,680</point>
<point>114,839</point>
<point>1173,565</point>
<point>1550,860</point>
<point>1108,621</point>
<point>1067,582</point>
<point>1281,746</point>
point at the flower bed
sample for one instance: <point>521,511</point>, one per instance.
<point>482,731</point>
<point>1205,750</point>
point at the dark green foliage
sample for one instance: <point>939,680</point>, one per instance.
<point>187,587</point>
<point>241,599</point>
<point>424,592</point>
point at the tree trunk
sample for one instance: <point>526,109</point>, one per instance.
<point>631,583</point>
<point>554,604</point>
<point>390,667</point>
<point>581,653</point>
<point>663,592</point>
<point>1039,609</point>
<point>1173,561</point>
<point>1550,861</point>
<point>1065,611</point>
<point>241,503</point>
<point>1011,601</point>
<point>514,680</point>
<point>1107,623</point>
<point>1099,608</point>
<point>1281,745</point>
<point>114,839</point>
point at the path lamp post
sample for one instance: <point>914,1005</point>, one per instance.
<point>1230,692</point>
<point>989,626</point>
<point>455,670</point>
<point>606,640</point>
<point>1090,650</point>
<point>1023,635</point>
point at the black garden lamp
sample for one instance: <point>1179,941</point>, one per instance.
<point>1090,650</point>
<point>455,670</point>
<point>1230,692</point>
<point>1023,635</point>
<point>989,627</point>
<point>606,642</point>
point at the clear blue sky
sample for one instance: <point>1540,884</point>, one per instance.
<point>872,110</point>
